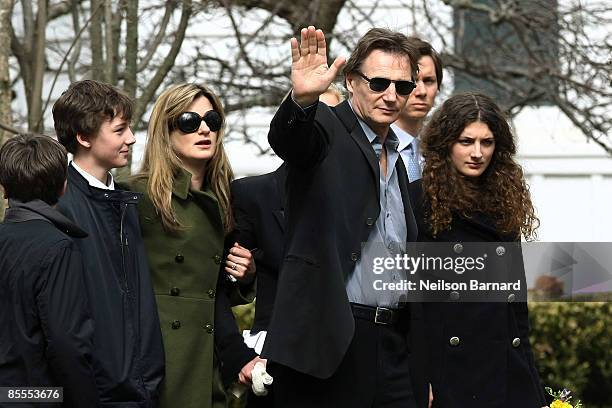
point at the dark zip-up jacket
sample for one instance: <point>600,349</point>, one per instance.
<point>46,327</point>
<point>128,350</point>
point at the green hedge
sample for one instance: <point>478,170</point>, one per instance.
<point>572,345</point>
<point>244,315</point>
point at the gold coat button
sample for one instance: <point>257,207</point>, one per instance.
<point>176,325</point>
<point>209,328</point>
<point>211,293</point>
<point>217,259</point>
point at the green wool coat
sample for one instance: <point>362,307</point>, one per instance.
<point>185,268</point>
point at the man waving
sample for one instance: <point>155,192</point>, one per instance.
<point>333,339</point>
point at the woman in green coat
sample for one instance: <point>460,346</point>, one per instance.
<point>184,217</point>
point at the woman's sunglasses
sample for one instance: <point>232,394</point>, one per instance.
<point>380,84</point>
<point>189,122</point>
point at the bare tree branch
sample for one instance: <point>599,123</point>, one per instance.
<point>153,45</point>
<point>10,129</point>
<point>155,82</point>
<point>76,40</point>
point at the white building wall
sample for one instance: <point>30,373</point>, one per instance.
<point>570,179</point>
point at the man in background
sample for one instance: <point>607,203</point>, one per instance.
<point>410,122</point>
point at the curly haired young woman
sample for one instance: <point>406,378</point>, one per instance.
<point>472,190</point>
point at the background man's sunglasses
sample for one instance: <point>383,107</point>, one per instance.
<point>189,122</point>
<point>380,84</point>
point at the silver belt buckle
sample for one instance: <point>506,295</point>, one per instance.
<point>381,312</point>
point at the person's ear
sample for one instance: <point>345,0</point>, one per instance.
<point>349,82</point>
<point>83,141</point>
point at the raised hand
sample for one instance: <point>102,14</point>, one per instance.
<point>310,74</point>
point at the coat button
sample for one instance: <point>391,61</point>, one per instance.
<point>369,221</point>
<point>516,342</point>
<point>217,259</point>
<point>354,256</point>
<point>176,325</point>
<point>175,291</point>
<point>454,341</point>
<point>179,258</point>
<point>458,248</point>
<point>511,298</point>
<point>209,328</point>
<point>211,293</point>
<point>500,250</point>
<point>454,295</point>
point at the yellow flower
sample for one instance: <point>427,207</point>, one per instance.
<point>560,404</point>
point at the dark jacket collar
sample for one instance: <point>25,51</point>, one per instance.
<point>349,119</point>
<point>39,210</point>
<point>75,179</point>
<point>280,175</point>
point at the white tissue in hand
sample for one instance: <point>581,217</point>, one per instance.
<point>260,379</point>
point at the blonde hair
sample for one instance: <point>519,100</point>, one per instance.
<point>161,164</point>
<point>336,91</point>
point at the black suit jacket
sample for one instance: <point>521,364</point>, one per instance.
<point>259,210</point>
<point>333,202</point>
<point>485,369</point>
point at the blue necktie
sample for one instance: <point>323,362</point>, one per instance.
<point>414,167</point>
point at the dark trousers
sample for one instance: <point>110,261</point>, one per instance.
<point>373,373</point>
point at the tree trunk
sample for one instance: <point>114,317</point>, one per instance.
<point>131,67</point>
<point>109,42</point>
<point>6,10</point>
<point>131,47</point>
<point>97,46</point>
<point>35,120</point>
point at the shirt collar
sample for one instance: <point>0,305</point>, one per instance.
<point>405,138</point>
<point>94,182</point>
<point>391,141</point>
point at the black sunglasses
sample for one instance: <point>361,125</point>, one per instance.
<point>189,122</point>
<point>380,84</point>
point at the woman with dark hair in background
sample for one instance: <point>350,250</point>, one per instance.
<point>472,190</point>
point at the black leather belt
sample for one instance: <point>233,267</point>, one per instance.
<point>378,315</point>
